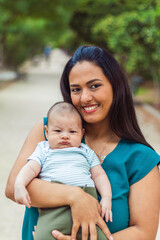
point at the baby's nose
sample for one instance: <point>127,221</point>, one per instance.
<point>65,135</point>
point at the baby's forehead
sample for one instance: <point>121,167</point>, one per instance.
<point>65,115</point>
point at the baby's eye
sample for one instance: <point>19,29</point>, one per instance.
<point>72,131</point>
<point>57,130</point>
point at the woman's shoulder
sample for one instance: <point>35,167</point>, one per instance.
<point>135,147</point>
<point>133,153</point>
<point>139,160</point>
<point>36,133</point>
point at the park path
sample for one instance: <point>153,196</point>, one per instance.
<point>24,103</point>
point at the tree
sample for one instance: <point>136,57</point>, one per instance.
<point>128,29</point>
<point>134,37</point>
<point>26,26</point>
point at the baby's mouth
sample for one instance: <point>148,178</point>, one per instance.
<point>64,143</point>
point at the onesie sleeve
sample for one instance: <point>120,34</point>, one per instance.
<point>91,157</point>
<point>140,163</point>
<point>39,154</point>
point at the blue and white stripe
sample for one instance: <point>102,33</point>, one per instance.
<point>69,165</point>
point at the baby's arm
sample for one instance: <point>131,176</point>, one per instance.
<point>104,188</point>
<point>26,174</point>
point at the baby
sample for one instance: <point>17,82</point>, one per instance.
<point>64,159</point>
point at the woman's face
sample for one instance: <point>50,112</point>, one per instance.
<point>91,91</point>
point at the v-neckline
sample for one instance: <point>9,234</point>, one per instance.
<point>83,140</point>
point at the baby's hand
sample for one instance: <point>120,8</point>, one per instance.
<point>21,195</point>
<point>106,204</point>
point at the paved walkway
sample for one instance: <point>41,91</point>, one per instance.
<point>24,103</point>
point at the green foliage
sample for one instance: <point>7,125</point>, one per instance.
<point>128,29</point>
<point>26,26</point>
<point>24,41</point>
<point>133,35</point>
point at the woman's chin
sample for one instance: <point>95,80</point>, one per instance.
<point>95,119</point>
<point>91,120</point>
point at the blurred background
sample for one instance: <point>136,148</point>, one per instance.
<point>36,40</point>
<point>130,30</point>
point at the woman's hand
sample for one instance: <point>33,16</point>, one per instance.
<point>56,234</point>
<point>86,214</point>
<point>60,236</point>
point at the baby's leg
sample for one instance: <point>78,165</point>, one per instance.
<point>60,218</point>
<point>53,218</point>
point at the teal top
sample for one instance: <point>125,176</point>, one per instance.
<point>125,165</point>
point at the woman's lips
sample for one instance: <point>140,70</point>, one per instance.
<point>90,108</point>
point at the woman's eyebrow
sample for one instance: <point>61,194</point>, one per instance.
<point>89,82</point>
<point>74,85</point>
<point>94,80</point>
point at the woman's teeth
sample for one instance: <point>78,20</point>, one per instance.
<point>90,108</point>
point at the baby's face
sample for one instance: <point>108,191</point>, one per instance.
<point>64,131</point>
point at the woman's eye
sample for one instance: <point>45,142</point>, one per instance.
<point>95,86</point>
<point>75,90</point>
<point>57,130</point>
<point>72,131</point>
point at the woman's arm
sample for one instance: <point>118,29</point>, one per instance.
<point>36,135</point>
<point>144,205</point>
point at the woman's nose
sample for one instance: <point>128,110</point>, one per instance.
<point>86,96</point>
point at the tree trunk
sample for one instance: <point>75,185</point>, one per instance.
<point>3,50</point>
<point>156,84</point>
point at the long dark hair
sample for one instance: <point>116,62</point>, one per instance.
<point>122,115</point>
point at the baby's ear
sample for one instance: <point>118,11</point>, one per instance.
<point>46,131</point>
<point>83,131</point>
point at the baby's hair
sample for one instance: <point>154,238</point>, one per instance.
<point>63,107</point>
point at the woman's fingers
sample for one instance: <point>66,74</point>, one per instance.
<point>60,236</point>
<point>85,232</point>
<point>99,209</point>
<point>104,228</point>
<point>75,229</point>
<point>93,231</point>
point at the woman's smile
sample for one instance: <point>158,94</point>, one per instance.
<point>90,108</point>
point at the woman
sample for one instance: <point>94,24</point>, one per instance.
<point>94,83</point>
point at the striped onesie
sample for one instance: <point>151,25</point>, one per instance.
<point>70,166</point>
